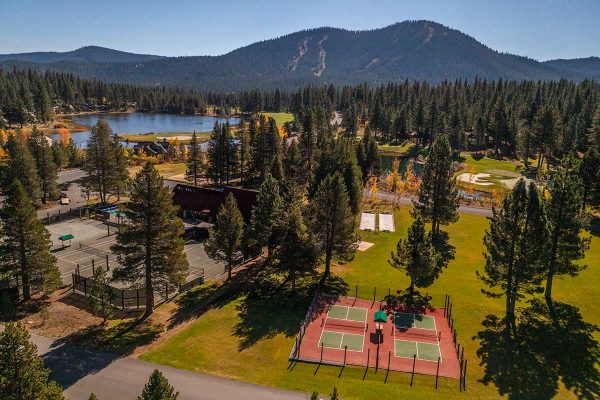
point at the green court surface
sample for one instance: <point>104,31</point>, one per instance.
<point>337,340</point>
<point>423,351</point>
<point>407,320</point>
<point>348,313</point>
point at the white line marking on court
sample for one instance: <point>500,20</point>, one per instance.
<point>417,347</point>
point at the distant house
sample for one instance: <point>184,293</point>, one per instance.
<point>203,203</point>
<point>152,148</point>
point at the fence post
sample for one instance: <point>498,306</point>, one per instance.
<point>85,286</point>
<point>122,299</point>
<point>48,217</point>
<point>345,351</point>
<point>59,219</point>
<point>460,365</point>
<point>464,376</point>
<point>321,360</point>
<point>107,267</point>
<point>437,372</point>
<point>377,358</point>
<point>413,369</point>
<point>389,359</point>
<point>137,298</point>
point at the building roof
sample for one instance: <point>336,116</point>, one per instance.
<point>210,199</point>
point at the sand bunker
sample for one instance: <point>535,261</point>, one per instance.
<point>475,179</point>
<point>362,246</point>
<point>180,137</point>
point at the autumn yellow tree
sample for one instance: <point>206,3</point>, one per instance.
<point>393,181</point>
<point>411,180</point>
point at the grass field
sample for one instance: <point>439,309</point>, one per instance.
<point>250,336</point>
<point>398,149</point>
<point>166,170</point>
<point>153,136</point>
<point>280,118</point>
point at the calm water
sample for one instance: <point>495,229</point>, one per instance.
<point>386,161</point>
<point>138,122</point>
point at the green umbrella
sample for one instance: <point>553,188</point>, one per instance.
<point>380,316</point>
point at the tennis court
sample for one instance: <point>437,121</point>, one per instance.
<point>409,320</point>
<point>422,350</point>
<point>350,331</point>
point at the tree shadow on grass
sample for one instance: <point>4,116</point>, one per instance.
<point>211,295</point>
<point>269,308</point>
<point>528,361</point>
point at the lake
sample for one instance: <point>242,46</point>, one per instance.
<point>138,122</point>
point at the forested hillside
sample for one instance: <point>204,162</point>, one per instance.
<point>413,50</point>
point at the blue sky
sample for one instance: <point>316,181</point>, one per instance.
<point>541,29</point>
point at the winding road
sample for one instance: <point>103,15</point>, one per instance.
<point>83,371</point>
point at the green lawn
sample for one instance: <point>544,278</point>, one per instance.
<point>280,117</point>
<point>250,340</point>
<point>153,136</point>
<point>406,147</point>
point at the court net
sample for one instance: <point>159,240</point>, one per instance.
<point>346,326</point>
<point>96,251</point>
<point>418,335</point>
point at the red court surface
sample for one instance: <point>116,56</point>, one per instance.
<point>338,327</point>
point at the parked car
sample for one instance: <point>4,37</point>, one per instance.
<point>65,200</point>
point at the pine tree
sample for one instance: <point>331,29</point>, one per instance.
<point>296,254</point>
<point>565,244</point>
<point>21,166</point>
<point>245,153</point>
<point>514,260</point>
<point>101,295</point>
<point>589,170</point>
<point>158,388</point>
<point>120,174</point>
<point>438,194</point>
<point>44,160</point>
<point>23,376</point>
<point>25,245</point>
<point>594,130</point>
<point>546,130</point>
<point>332,223</point>
<point>267,214</point>
<point>334,394</point>
<point>150,248</point>
<point>100,163</point>
<point>93,396</point>
<point>415,255</point>
<point>225,239</point>
<point>352,175</point>
<point>195,161</point>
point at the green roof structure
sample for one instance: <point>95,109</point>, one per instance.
<point>380,316</point>
<point>68,236</point>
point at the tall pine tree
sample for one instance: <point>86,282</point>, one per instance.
<point>565,244</point>
<point>332,223</point>
<point>25,245</point>
<point>150,248</point>
<point>195,161</point>
<point>514,259</point>
<point>225,239</point>
<point>438,193</point>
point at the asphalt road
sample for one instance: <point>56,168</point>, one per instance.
<point>486,212</point>
<point>81,371</point>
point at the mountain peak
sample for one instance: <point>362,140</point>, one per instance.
<point>413,50</point>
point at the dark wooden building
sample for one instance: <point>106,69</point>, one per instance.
<point>202,203</point>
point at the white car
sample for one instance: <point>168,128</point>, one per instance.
<point>65,200</point>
